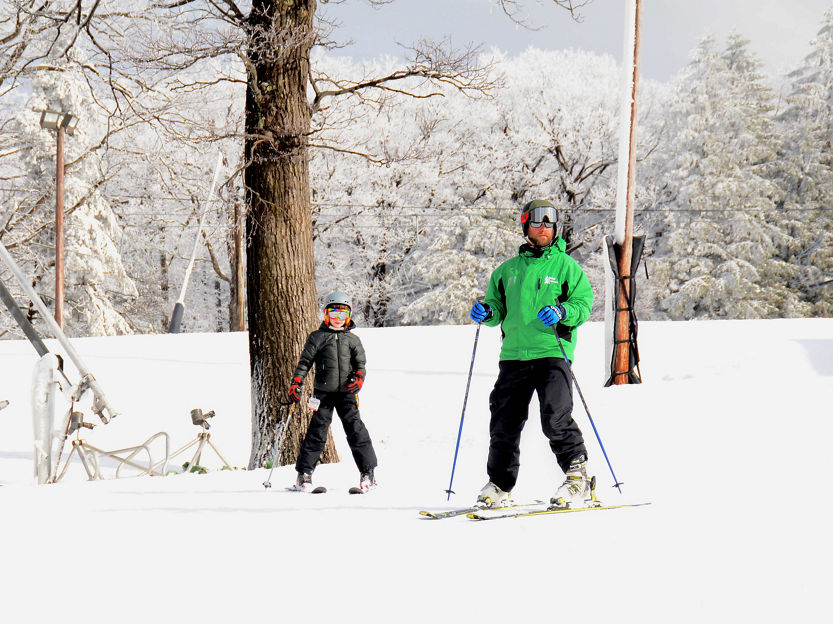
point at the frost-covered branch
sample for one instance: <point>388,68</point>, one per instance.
<point>514,9</point>
<point>430,63</point>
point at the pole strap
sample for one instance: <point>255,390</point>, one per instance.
<point>627,282</point>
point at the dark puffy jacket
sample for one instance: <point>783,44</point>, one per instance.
<point>337,354</point>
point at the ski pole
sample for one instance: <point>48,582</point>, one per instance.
<point>279,445</point>
<point>462,416</point>
<point>616,482</point>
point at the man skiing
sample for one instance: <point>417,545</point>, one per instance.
<point>538,293</point>
<point>339,361</point>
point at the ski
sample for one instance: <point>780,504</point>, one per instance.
<point>494,514</point>
<point>453,513</point>
<point>318,490</point>
<point>439,515</point>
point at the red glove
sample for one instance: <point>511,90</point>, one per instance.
<point>294,395</point>
<point>356,381</point>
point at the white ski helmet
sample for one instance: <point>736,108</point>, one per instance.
<point>338,298</point>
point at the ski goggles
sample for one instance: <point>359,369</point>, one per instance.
<point>336,313</point>
<point>541,215</point>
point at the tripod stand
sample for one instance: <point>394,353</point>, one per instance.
<point>202,440</point>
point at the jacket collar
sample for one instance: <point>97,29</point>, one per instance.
<point>346,328</point>
<point>531,251</point>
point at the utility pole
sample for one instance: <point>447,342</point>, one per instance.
<point>625,198</point>
<point>62,123</point>
<point>59,231</point>
<point>624,250</point>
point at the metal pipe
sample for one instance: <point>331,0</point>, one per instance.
<point>59,231</point>
<point>100,404</point>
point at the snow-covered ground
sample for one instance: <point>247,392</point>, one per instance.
<point>728,437</point>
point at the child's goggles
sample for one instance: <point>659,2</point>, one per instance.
<point>336,313</point>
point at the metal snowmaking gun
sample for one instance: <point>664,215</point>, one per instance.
<point>51,433</point>
<point>100,406</point>
<point>51,429</point>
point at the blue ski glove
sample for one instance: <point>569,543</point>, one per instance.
<point>552,314</point>
<point>480,312</point>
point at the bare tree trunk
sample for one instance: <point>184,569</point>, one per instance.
<point>237,290</point>
<point>280,267</point>
<point>164,286</point>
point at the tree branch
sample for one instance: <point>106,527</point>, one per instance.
<point>513,10</point>
<point>433,62</point>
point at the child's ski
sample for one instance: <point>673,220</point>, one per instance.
<point>318,490</point>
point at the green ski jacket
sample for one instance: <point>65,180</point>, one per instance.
<point>523,285</point>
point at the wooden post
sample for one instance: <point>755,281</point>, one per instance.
<point>621,362</point>
<point>59,231</point>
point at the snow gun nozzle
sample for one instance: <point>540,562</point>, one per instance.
<point>201,419</point>
<point>76,422</point>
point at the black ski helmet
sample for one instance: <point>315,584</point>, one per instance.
<point>338,298</point>
<point>545,211</point>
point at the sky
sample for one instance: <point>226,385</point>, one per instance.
<point>779,31</point>
<point>732,416</point>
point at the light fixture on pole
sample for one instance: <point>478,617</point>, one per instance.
<point>62,123</point>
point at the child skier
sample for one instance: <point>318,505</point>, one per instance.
<point>339,361</point>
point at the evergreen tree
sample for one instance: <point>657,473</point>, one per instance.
<point>807,170</point>
<point>723,257</point>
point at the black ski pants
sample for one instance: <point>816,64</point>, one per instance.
<point>509,405</point>
<point>358,438</point>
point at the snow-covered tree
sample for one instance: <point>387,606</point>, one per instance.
<point>723,253</point>
<point>96,282</point>
<point>432,224</point>
<point>806,123</point>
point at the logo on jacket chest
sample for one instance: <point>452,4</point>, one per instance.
<point>549,279</point>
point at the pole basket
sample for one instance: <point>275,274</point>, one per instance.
<point>614,283</point>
